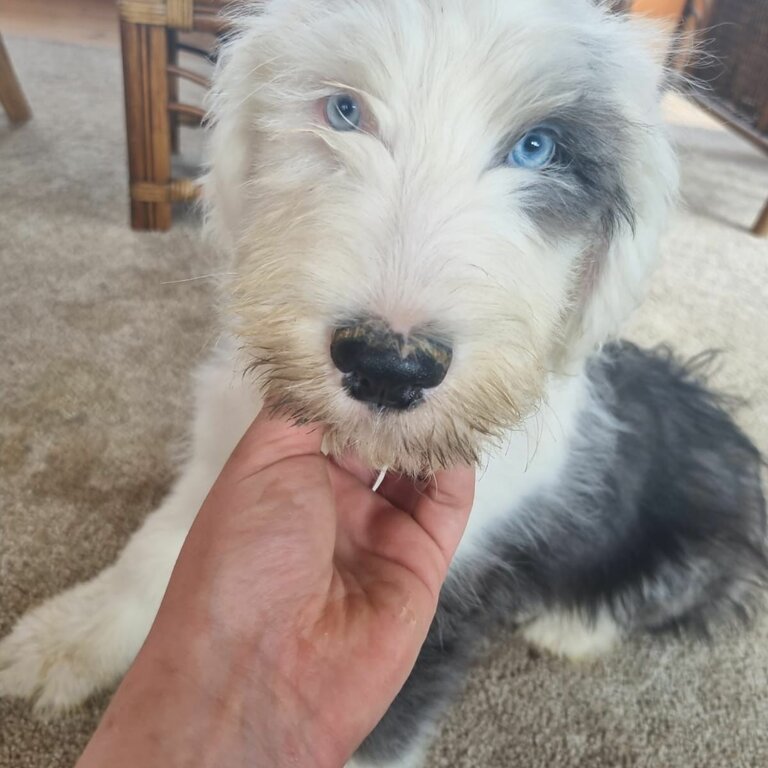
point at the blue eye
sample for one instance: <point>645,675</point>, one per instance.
<point>343,112</point>
<point>535,150</point>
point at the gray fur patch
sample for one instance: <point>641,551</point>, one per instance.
<point>659,520</point>
<point>583,189</point>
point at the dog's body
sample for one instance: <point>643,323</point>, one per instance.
<point>461,205</point>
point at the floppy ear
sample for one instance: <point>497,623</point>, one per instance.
<point>229,154</point>
<point>243,55</point>
<point>614,274</point>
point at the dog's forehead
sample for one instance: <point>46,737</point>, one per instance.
<point>449,59</point>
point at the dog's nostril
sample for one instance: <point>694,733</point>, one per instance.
<point>387,369</point>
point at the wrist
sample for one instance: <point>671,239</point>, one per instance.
<point>199,707</point>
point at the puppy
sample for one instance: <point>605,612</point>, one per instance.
<point>438,212</point>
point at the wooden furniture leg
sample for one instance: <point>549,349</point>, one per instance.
<point>149,31</point>
<point>11,95</point>
<point>761,225</point>
<point>173,87</point>
<point>145,62</point>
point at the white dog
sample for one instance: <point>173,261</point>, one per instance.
<point>437,212</point>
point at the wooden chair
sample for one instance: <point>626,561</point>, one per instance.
<point>729,69</point>
<point>152,34</point>
<point>11,95</point>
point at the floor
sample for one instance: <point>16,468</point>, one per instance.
<point>81,22</point>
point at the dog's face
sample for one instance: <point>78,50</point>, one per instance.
<point>432,205</point>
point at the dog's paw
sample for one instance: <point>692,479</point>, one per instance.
<point>571,636</point>
<point>48,660</point>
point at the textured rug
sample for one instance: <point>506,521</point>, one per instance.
<point>97,336</point>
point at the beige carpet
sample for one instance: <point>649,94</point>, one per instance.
<point>96,341</point>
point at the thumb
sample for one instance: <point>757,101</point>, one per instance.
<point>273,437</point>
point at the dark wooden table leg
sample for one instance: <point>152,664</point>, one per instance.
<point>173,87</point>
<point>11,96</point>
<point>761,225</point>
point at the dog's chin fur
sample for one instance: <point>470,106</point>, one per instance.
<point>383,443</point>
<point>438,433</point>
<point>401,444</point>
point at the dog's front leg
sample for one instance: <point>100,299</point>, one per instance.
<point>85,638</point>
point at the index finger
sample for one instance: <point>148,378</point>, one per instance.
<point>273,437</point>
<point>442,508</point>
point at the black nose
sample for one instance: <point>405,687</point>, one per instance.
<point>388,369</point>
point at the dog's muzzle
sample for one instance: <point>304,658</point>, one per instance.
<point>387,369</point>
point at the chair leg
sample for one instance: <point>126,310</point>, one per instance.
<point>145,62</point>
<point>173,88</point>
<point>11,95</point>
<point>761,225</point>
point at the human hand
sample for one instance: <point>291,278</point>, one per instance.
<point>294,614</point>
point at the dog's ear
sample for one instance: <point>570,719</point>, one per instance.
<point>613,275</point>
<point>228,146</point>
<point>230,109</point>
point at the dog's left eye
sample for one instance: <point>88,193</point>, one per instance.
<point>535,150</point>
<point>343,112</point>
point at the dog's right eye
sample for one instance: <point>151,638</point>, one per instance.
<point>343,112</point>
